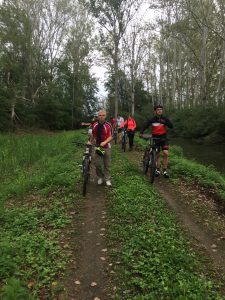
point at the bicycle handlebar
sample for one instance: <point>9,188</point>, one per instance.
<point>149,136</point>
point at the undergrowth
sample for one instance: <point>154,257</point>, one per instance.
<point>37,192</point>
<point>151,255</point>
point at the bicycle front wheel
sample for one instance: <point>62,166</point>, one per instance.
<point>123,144</point>
<point>152,165</point>
<point>86,169</point>
<point>146,160</point>
<point>115,138</point>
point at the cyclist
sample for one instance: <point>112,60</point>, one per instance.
<point>158,125</point>
<point>119,121</point>
<point>113,122</point>
<point>130,124</point>
<point>102,135</point>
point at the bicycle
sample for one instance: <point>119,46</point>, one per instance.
<point>124,139</point>
<point>150,156</point>
<point>115,135</point>
<point>86,165</point>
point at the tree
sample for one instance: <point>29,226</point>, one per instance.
<point>113,17</point>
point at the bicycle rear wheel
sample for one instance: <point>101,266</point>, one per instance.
<point>86,174</point>
<point>146,160</point>
<point>115,137</point>
<point>152,165</point>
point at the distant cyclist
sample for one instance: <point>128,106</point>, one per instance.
<point>113,122</point>
<point>102,136</point>
<point>130,126</point>
<point>119,122</point>
<point>159,124</point>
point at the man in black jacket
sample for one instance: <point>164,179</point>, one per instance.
<point>159,124</point>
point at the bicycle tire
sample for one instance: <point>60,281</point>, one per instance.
<point>152,165</point>
<point>146,160</point>
<point>115,138</point>
<point>86,174</point>
<point>123,143</point>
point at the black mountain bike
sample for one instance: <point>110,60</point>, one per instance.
<point>150,156</point>
<point>124,139</point>
<point>86,165</point>
<point>115,134</point>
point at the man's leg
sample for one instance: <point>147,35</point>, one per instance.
<point>165,159</point>
<point>131,140</point>
<point>130,137</point>
<point>107,164</point>
<point>98,165</point>
<point>158,160</point>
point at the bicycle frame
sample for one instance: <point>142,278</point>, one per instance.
<point>150,156</point>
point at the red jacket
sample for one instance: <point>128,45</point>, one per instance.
<point>130,124</point>
<point>106,132</point>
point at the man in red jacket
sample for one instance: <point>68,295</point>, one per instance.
<point>102,135</point>
<point>130,125</point>
<point>159,124</point>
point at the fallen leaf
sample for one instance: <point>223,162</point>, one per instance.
<point>30,284</point>
<point>93,284</point>
<point>77,282</point>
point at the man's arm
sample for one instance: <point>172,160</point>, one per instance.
<point>168,123</point>
<point>85,124</point>
<point>108,140</point>
<point>145,126</point>
<point>123,124</point>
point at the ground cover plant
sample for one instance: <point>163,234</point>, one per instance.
<point>38,189</point>
<point>192,171</point>
<point>151,255</point>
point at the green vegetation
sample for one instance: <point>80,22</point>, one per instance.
<point>151,255</point>
<point>200,122</point>
<point>192,171</point>
<point>38,188</point>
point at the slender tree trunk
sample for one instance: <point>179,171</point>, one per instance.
<point>116,82</point>
<point>221,75</point>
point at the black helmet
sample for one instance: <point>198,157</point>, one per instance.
<point>157,106</point>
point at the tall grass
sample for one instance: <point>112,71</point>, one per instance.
<point>37,193</point>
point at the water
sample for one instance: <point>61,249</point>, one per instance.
<point>205,154</point>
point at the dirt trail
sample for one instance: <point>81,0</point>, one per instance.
<point>87,278</point>
<point>200,217</point>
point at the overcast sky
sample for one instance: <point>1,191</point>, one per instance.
<point>145,14</point>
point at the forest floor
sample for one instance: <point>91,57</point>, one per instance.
<point>199,214</point>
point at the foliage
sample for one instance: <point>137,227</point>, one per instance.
<point>45,64</point>
<point>152,258</point>
<point>37,196</point>
<point>199,121</point>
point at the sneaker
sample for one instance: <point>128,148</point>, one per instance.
<point>165,174</point>
<point>108,183</point>
<point>100,181</point>
<point>157,173</point>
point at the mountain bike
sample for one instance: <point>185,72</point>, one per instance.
<point>124,139</point>
<point>115,134</point>
<point>86,165</point>
<point>150,156</point>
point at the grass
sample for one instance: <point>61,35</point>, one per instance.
<point>151,255</point>
<point>192,171</point>
<point>37,192</point>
